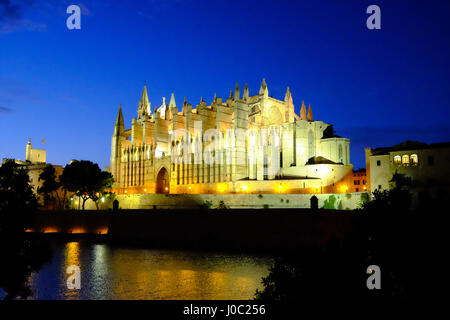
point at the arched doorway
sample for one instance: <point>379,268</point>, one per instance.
<point>162,181</point>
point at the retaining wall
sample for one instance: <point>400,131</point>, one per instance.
<point>342,201</point>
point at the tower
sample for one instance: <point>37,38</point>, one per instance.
<point>28,151</point>
<point>117,138</point>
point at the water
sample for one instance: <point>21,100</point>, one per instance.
<point>129,273</point>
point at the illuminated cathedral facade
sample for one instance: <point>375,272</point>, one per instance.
<point>242,144</point>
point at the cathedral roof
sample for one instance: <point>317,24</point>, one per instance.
<point>319,160</point>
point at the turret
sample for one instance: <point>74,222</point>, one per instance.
<point>288,95</point>
<point>172,109</point>
<point>310,114</point>
<point>303,111</point>
<point>230,99</point>
<point>172,103</point>
<point>246,94</point>
<point>263,89</point>
<point>237,94</point>
<point>290,110</point>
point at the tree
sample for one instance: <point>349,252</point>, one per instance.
<point>406,245</point>
<point>86,180</point>
<point>20,255</point>
<point>51,188</point>
<point>105,181</point>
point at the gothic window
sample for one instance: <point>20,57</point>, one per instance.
<point>405,160</point>
<point>397,159</point>
<point>414,159</point>
<point>311,152</point>
<point>340,154</point>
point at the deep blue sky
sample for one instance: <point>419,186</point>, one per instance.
<point>378,87</point>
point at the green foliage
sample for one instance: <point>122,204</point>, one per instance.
<point>86,180</point>
<point>19,256</point>
<point>330,203</point>
<point>207,205</point>
<point>364,198</point>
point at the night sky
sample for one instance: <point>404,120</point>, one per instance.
<point>378,87</point>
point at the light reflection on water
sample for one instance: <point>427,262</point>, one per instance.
<point>120,273</point>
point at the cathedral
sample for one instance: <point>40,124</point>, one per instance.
<point>242,144</point>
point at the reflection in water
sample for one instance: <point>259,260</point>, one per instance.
<point>72,255</point>
<point>116,273</point>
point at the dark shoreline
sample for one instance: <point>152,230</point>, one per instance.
<point>267,232</point>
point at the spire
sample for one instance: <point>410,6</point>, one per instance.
<point>172,103</point>
<point>263,89</point>
<point>246,94</point>
<point>237,94</point>
<point>310,114</point>
<point>215,97</point>
<point>144,103</point>
<point>119,126</point>
<point>287,95</point>
<point>185,101</point>
<point>231,95</point>
<point>303,111</point>
<point>144,97</point>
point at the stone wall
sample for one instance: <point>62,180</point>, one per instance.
<point>342,201</point>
